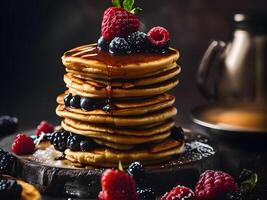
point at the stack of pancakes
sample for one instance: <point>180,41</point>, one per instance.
<point>135,121</point>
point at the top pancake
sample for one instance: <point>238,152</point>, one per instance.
<point>89,58</point>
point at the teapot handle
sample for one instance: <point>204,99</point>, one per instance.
<point>215,48</point>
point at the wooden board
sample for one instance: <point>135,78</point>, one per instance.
<point>57,180</point>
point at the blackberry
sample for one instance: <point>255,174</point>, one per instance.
<point>10,189</point>
<point>102,43</point>
<point>87,145</point>
<point>119,46</point>
<point>234,196</point>
<point>73,142</point>
<point>146,194</point>
<point>7,161</point>
<point>75,101</point>
<point>86,104</point>
<point>59,140</point>
<point>244,175</point>
<point>160,49</point>
<point>177,133</point>
<point>136,170</point>
<point>138,41</point>
<point>8,124</point>
<point>67,99</point>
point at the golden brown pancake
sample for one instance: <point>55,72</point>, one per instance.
<point>89,58</point>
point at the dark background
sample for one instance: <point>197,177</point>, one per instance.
<point>35,33</point>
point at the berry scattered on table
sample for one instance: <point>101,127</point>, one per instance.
<point>67,99</point>
<point>177,133</point>
<point>23,145</point>
<point>73,142</point>
<point>214,184</point>
<point>102,43</point>
<point>7,161</point>
<point>158,36</point>
<point>138,41</point>
<point>245,174</point>
<point>146,194</point>
<point>117,185</point>
<point>118,22</point>
<point>234,196</point>
<point>10,189</point>
<point>119,46</point>
<point>179,193</point>
<point>44,127</point>
<point>75,101</point>
<point>8,124</point>
<point>136,170</point>
<point>59,140</point>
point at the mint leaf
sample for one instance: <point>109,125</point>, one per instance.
<point>136,10</point>
<point>128,4</point>
<point>249,184</point>
<point>116,3</point>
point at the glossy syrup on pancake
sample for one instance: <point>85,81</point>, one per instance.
<point>91,52</point>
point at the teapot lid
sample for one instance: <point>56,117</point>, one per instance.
<point>256,23</point>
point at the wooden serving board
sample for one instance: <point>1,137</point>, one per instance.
<point>61,180</point>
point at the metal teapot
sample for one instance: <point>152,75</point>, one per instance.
<point>240,66</point>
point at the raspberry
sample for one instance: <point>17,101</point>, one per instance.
<point>117,22</point>
<point>179,193</point>
<point>117,185</point>
<point>138,41</point>
<point>119,46</point>
<point>158,36</point>
<point>23,145</point>
<point>214,184</point>
<point>44,127</point>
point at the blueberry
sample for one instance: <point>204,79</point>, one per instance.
<point>73,142</point>
<point>86,104</point>
<point>86,145</point>
<point>8,124</point>
<point>138,41</point>
<point>245,175</point>
<point>136,170</point>
<point>177,133</point>
<point>67,99</point>
<point>102,43</point>
<point>75,101</point>
<point>146,194</point>
<point>160,49</point>
<point>119,46</point>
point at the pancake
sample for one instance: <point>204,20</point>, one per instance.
<point>115,138</point>
<point>79,87</point>
<point>141,132</point>
<point>98,74</point>
<point>109,157</point>
<point>102,83</point>
<point>154,117</point>
<point>29,192</point>
<point>127,107</point>
<point>119,66</point>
